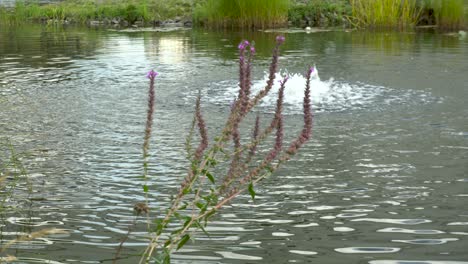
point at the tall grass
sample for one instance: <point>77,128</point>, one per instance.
<point>242,13</point>
<point>384,13</point>
<point>449,14</point>
<point>81,11</point>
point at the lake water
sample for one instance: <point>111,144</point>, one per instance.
<point>383,181</point>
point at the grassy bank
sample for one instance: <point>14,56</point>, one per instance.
<point>242,13</point>
<point>83,11</point>
<point>445,14</point>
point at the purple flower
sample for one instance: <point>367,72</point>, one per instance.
<point>280,39</point>
<point>312,69</point>
<point>252,50</point>
<point>151,75</point>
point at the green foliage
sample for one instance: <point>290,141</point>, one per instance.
<point>384,13</point>
<point>242,13</point>
<point>320,13</point>
<point>449,14</point>
<point>81,11</point>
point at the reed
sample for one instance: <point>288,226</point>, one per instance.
<point>242,13</point>
<point>384,13</point>
<point>449,14</point>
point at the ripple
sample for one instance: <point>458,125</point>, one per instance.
<point>410,231</point>
<point>303,252</point>
<point>416,262</point>
<point>231,255</point>
<point>343,229</point>
<point>33,260</point>
<point>427,241</point>
<point>394,221</point>
<point>281,234</point>
<point>378,250</point>
<point>30,221</point>
<point>457,223</point>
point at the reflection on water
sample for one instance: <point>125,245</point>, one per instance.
<point>384,177</point>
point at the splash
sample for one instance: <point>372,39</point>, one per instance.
<point>326,95</point>
<point>329,95</point>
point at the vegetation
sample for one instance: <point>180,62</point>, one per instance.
<point>230,165</point>
<point>320,13</point>
<point>242,13</point>
<point>82,11</point>
<point>448,14</point>
<point>384,13</point>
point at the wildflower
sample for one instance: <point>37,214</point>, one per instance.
<point>151,75</point>
<point>280,39</point>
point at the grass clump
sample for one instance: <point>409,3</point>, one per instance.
<point>384,13</point>
<point>447,14</point>
<point>82,11</point>
<point>242,13</point>
<point>319,13</point>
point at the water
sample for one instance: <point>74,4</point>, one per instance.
<point>383,181</point>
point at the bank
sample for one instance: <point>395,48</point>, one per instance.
<point>252,14</point>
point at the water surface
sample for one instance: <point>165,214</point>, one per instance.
<point>384,179</point>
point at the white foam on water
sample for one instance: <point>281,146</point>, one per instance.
<point>328,95</point>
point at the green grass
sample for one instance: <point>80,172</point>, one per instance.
<point>81,11</point>
<point>242,13</point>
<point>320,13</point>
<point>449,14</point>
<point>384,13</point>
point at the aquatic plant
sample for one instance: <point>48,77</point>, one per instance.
<point>221,170</point>
<point>384,13</point>
<point>242,13</point>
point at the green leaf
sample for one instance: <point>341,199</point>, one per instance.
<point>252,191</point>
<point>197,223</point>
<point>183,240</point>
<point>210,177</point>
<point>200,205</point>
<point>159,226</point>
<point>145,188</point>
<point>183,207</point>
<point>212,212</point>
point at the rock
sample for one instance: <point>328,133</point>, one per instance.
<point>115,20</point>
<point>156,23</point>
<point>94,23</point>
<point>188,23</point>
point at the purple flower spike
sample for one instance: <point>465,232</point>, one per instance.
<point>252,50</point>
<point>280,39</point>
<point>151,75</point>
<point>312,69</point>
<point>246,43</point>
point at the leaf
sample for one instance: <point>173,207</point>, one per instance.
<point>183,207</point>
<point>210,177</point>
<point>197,223</point>
<point>145,188</point>
<point>212,212</point>
<point>252,191</point>
<point>183,240</point>
<point>159,226</point>
<point>200,205</point>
